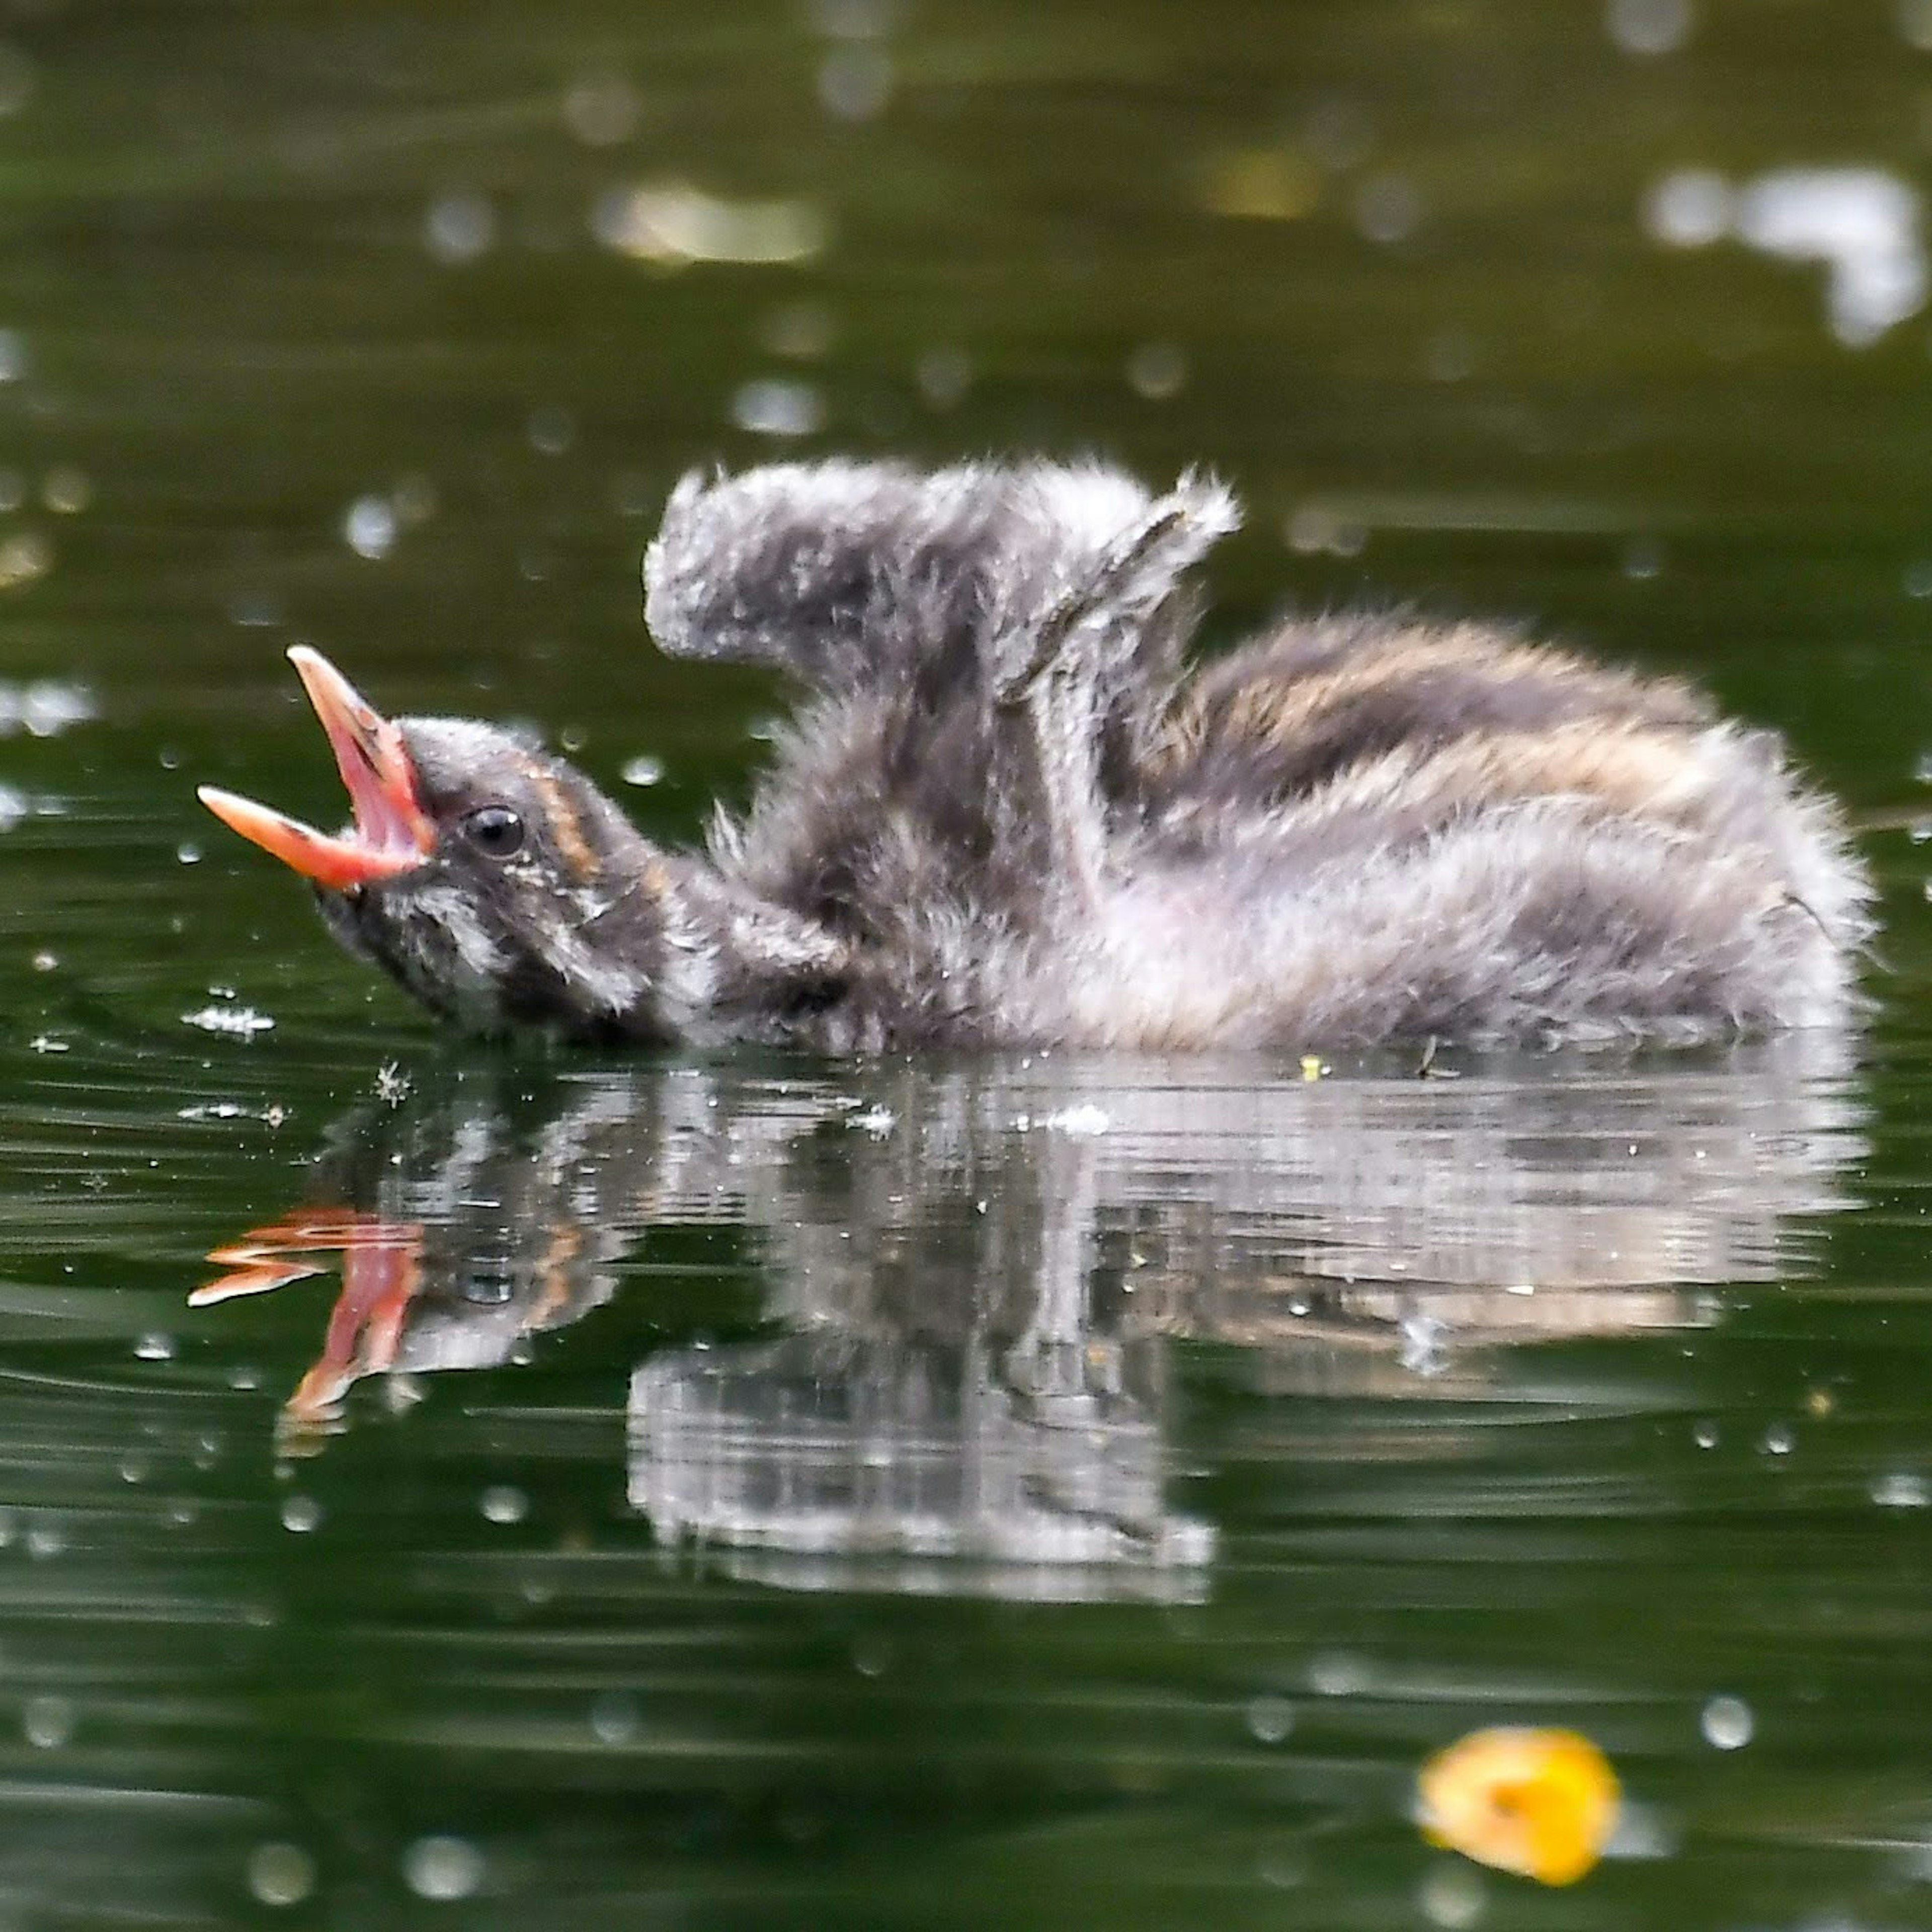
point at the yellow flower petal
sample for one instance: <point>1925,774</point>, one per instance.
<point>1541,1804</point>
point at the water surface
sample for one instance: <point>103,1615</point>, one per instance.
<point>738,1491</point>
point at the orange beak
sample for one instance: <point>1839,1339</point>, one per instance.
<point>392,833</point>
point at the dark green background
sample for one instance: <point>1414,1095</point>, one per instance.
<point>1145,230</point>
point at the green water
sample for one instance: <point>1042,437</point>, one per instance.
<point>1025,1492</point>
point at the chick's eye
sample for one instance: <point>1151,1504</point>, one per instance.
<point>496,831</point>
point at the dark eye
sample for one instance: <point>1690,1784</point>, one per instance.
<point>495,830</point>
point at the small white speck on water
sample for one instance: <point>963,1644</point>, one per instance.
<point>1902,1488</point>
<point>503,1502</point>
<point>46,1723</point>
<point>1705,1435</point>
<point>235,1022</point>
<point>943,375</point>
<point>1337,1673</point>
<point>300,1514</point>
<point>777,406</point>
<point>188,853</point>
<point>279,1873</point>
<point>443,1868</point>
<point>1157,371</point>
<point>551,430</point>
<point>1727,1723</point>
<point>1270,1720</point>
<point>615,1719</point>
<point>1778,1439</point>
<point>369,527</point>
<point>643,770</point>
<point>1388,208</point>
<point>601,108</point>
<point>1649,27</point>
<point>459,227</point>
<point>1452,1897</point>
<point>154,1346</point>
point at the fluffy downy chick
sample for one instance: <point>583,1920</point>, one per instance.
<point>1008,812</point>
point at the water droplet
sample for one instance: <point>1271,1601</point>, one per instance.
<point>459,227</point>
<point>24,556</point>
<point>47,1723</point>
<point>643,770</point>
<point>855,83</point>
<point>1337,1673</point>
<point>800,331</point>
<point>1452,1897</point>
<point>280,1873</point>
<point>300,1514</point>
<point>67,490</point>
<point>1689,208</point>
<point>155,1347</point>
<point>187,853</point>
<point>1648,26</point>
<point>1157,371</point>
<point>1902,1489</point>
<point>1643,559</point>
<point>772,407</point>
<point>601,110</point>
<point>1726,1722</point>
<point>1269,1719</point>
<point>1778,1440</point>
<point>443,1868</point>
<point>1705,1435</point>
<point>551,431</point>
<point>370,527</point>
<point>615,1719</point>
<point>1388,208</point>
<point>504,1503</point>
<point>944,377</point>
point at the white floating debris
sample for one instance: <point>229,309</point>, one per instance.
<point>674,223</point>
<point>643,770</point>
<point>1902,1489</point>
<point>877,1121</point>
<point>47,1042</point>
<point>44,708</point>
<point>1861,223</point>
<point>238,1022</point>
<point>1082,1122</point>
<point>774,406</point>
<point>1727,1723</point>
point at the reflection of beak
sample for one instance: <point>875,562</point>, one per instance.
<point>392,833</point>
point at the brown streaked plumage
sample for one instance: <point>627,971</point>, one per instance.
<point>1009,813</point>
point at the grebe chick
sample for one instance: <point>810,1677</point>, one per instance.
<point>1009,813</point>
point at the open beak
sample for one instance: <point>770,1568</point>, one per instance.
<point>392,833</point>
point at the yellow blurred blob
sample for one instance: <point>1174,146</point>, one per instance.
<point>1541,1804</point>
<point>1261,184</point>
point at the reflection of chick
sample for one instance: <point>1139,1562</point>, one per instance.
<point>1008,813</point>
